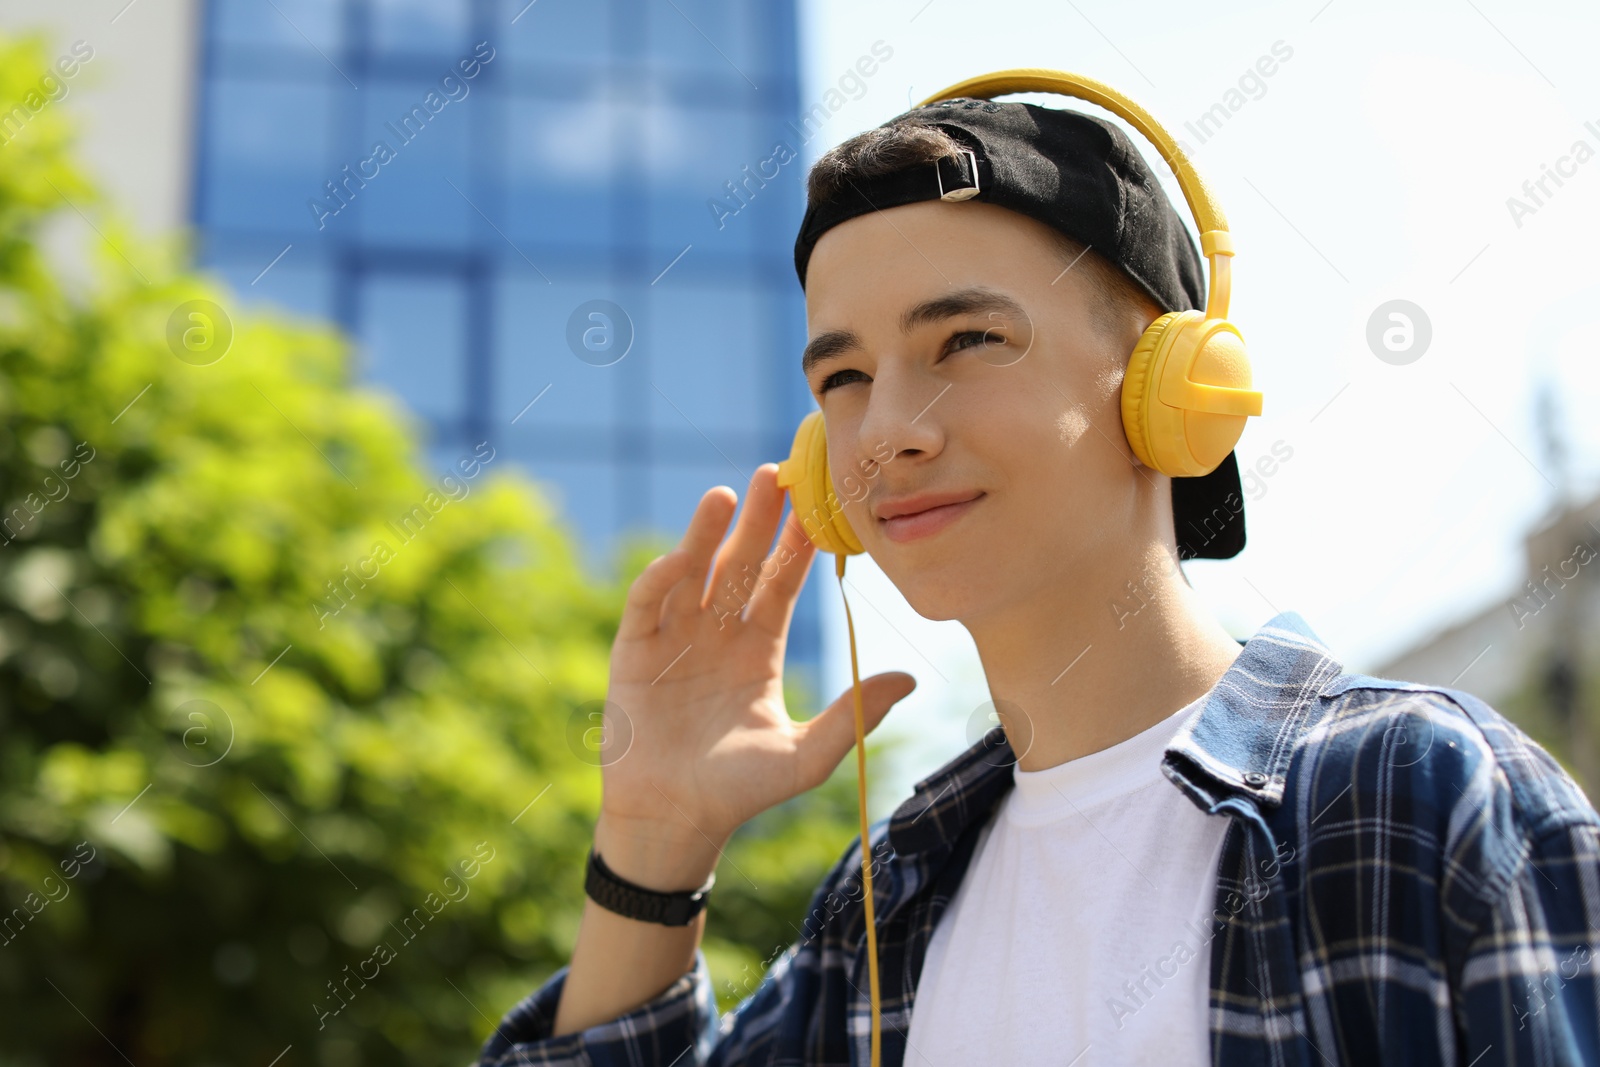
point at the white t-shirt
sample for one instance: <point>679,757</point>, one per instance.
<point>1079,934</point>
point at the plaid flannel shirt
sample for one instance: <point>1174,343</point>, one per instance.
<point>1406,878</point>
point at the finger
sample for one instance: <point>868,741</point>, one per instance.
<point>641,611</point>
<point>782,575</point>
<point>734,575</point>
<point>700,540</point>
<point>825,739</point>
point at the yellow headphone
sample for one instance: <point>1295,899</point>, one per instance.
<point>1185,395</point>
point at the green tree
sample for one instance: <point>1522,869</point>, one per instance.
<point>274,694</point>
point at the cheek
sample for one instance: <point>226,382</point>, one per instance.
<point>1072,425</point>
<point>1061,445</point>
<point>1049,419</point>
<point>1021,440</point>
<point>1097,411</point>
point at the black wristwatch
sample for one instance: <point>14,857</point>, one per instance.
<point>631,901</point>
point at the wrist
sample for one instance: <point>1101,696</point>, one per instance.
<point>632,901</point>
<point>664,857</point>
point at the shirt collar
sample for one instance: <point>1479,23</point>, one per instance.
<point>1238,742</point>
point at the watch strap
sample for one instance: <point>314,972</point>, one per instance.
<point>615,893</point>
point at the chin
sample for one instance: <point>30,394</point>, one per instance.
<point>948,615</point>
<point>942,593</point>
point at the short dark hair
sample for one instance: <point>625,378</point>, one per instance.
<point>897,146</point>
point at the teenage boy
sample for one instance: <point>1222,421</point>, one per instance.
<point>1173,849</point>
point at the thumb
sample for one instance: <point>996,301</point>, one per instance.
<point>826,738</point>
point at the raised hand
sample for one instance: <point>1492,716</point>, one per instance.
<point>696,680</point>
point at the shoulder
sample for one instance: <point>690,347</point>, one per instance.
<point>1446,738</point>
<point>1433,778</point>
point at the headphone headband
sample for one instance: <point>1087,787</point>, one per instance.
<point>1215,240</point>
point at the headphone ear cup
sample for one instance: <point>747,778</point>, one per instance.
<point>1138,389</point>
<point>810,485</point>
<point>1186,394</point>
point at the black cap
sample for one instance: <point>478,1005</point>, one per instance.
<point>1083,176</point>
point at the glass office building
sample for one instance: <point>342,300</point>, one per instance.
<point>559,226</point>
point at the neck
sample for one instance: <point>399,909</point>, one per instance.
<point>1073,673</point>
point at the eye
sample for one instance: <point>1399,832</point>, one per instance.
<point>834,379</point>
<point>961,339</point>
<point>983,337</point>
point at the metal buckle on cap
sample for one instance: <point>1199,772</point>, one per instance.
<point>965,192</point>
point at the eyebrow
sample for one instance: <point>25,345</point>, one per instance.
<point>836,343</point>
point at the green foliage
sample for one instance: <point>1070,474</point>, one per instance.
<point>287,728</point>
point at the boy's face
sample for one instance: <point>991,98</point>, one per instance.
<point>1016,409</point>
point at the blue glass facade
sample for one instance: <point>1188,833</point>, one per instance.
<point>459,182</point>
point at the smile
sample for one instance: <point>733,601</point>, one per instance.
<point>904,528</point>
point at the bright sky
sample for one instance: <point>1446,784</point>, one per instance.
<point>1374,164</point>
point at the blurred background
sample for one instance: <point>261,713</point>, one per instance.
<point>357,353</point>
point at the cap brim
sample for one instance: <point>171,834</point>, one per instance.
<point>1208,513</point>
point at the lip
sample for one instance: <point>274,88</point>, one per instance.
<point>932,513</point>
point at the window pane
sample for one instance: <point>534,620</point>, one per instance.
<point>300,288</point>
<point>584,496</point>
<point>709,356</point>
<point>691,155</point>
<point>298,24</point>
<point>266,154</point>
<point>412,333</point>
<point>425,139</point>
<point>439,27</point>
<point>560,158</point>
<point>531,352</point>
<point>720,38</point>
<point>554,31</point>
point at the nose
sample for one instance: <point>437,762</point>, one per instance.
<point>902,421</point>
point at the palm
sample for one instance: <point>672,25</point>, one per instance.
<point>700,735</point>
